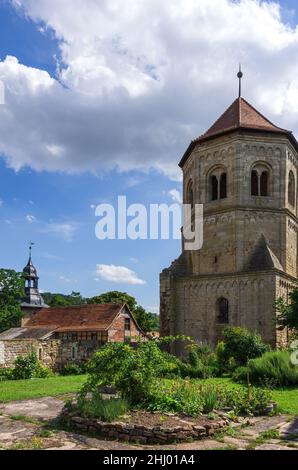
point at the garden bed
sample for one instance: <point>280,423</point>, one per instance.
<point>146,427</point>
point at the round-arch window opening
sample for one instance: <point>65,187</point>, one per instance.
<point>291,189</point>
<point>264,184</point>
<point>223,311</point>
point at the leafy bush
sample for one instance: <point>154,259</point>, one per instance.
<point>193,398</point>
<point>240,345</point>
<point>25,367</point>
<point>202,363</point>
<point>6,374</point>
<point>252,401</point>
<point>275,366</point>
<point>42,372</point>
<point>106,410</point>
<point>241,374</point>
<point>179,396</point>
<point>72,369</point>
<point>133,371</point>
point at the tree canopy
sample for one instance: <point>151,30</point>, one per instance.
<point>288,312</point>
<point>11,294</point>
<point>147,321</point>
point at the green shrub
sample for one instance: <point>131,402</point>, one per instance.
<point>193,398</point>
<point>6,374</point>
<point>133,371</point>
<point>179,396</point>
<point>241,374</point>
<point>249,402</point>
<point>25,367</point>
<point>42,372</point>
<point>240,345</point>
<point>72,369</point>
<point>105,410</point>
<point>275,366</point>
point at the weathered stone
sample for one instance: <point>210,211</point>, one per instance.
<point>249,255</point>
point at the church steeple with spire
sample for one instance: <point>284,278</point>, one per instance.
<point>33,300</point>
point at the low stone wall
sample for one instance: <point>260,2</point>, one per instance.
<point>143,434</point>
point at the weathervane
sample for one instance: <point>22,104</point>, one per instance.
<point>31,244</point>
<point>240,75</point>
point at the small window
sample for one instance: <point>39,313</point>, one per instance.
<point>214,188</point>
<point>223,311</point>
<point>39,354</point>
<point>254,183</point>
<point>264,183</point>
<point>291,189</point>
<point>223,186</point>
<point>189,195</point>
<point>73,352</point>
<point>74,336</point>
<point>127,324</point>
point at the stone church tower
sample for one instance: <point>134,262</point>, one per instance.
<point>244,171</point>
<point>33,301</point>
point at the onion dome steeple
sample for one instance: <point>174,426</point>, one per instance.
<point>33,299</point>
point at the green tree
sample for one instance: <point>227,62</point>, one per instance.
<point>115,297</point>
<point>147,321</point>
<point>11,294</point>
<point>240,344</point>
<point>62,300</point>
<point>288,312</point>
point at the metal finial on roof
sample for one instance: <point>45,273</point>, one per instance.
<point>240,75</point>
<point>31,244</point>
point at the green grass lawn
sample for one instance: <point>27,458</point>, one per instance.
<point>12,390</point>
<point>287,398</point>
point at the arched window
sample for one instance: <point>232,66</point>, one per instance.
<point>223,186</point>
<point>223,311</point>
<point>214,188</point>
<point>264,184</point>
<point>254,183</point>
<point>260,179</point>
<point>189,194</point>
<point>291,189</point>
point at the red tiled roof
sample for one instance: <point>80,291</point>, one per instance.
<point>82,318</point>
<point>240,115</point>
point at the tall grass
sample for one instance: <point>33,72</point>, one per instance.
<point>275,366</point>
<point>106,410</point>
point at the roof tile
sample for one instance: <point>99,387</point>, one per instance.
<point>94,316</point>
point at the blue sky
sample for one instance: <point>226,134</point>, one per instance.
<point>97,110</point>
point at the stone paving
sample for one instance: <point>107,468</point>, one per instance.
<point>30,425</point>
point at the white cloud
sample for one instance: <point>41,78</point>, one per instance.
<point>153,309</point>
<point>176,195</point>
<point>30,218</point>
<point>119,274</point>
<point>135,85</point>
<point>65,279</point>
<point>66,231</point>
<point>1,203</point>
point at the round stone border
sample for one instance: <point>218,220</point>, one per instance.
<point>184,432</point>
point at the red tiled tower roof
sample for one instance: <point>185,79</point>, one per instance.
<point>240,115</point>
